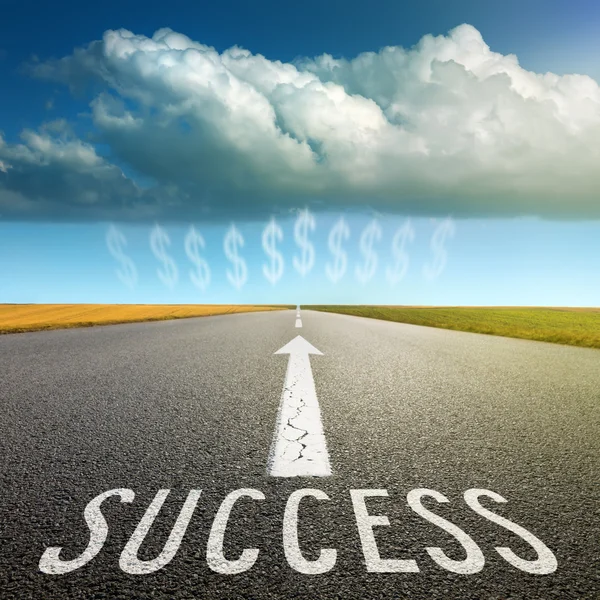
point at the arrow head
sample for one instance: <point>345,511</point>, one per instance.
<point>298,346</point>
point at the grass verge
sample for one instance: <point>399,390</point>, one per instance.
<point>573,326</point>
<point>18,318</point>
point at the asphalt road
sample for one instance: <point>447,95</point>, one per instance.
<point>192,404</point>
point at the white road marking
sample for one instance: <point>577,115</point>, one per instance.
<point>215,556</point>
<point>51,562</point>
<point>474,559</point>
<point>291,543</point>
<point>546,563</point>
<point>365,523</point>
<point>299,448</point>
<point>298,322</point>
<point>129,561</point>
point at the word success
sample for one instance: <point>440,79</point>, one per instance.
<point>473,561</point>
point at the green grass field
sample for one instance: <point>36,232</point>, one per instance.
<point>573,326</point>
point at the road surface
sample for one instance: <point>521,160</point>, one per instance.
<point>197,404</point>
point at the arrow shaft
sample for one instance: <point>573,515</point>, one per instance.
<point>299,447</point>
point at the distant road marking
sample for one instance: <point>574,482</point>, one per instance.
<point>298,448</point>
<point>298,322</point>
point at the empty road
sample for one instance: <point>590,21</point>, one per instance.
<point>412,434</point>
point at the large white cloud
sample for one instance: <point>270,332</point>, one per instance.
<point>447,127</point>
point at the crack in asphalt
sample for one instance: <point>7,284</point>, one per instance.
<point>304,432</point>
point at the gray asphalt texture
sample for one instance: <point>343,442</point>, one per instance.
<point>192,404</point>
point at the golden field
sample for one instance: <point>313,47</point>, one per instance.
<point>16,318</point>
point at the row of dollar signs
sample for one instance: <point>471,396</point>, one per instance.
<point>159,242</point>
<point>339,233</point>
<point>443,231</point>
<point>232,243</point>
<point>115,241</point>
<point>201,276</point>
<point>271,235</point>
<point>370,235</point>
<point>273,271</point>
<point>304,223</point>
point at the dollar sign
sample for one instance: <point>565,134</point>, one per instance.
<point>193,240</point>
<point>114,241</point>
<point>371,234</point>
<point>158,240</point>
<point>233,239</point>
<point>304,223</point>
<point>339,232</point>
<point>272,234</point>
<point>405,234</point>
<point>445,229</point>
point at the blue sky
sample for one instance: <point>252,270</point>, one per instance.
<point>105,136</point>
<point>488,262</point>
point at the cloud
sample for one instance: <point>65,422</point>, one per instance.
<point>48,175</point>
<point>446,127</point>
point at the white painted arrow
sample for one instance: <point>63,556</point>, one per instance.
<point>299,448</point>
